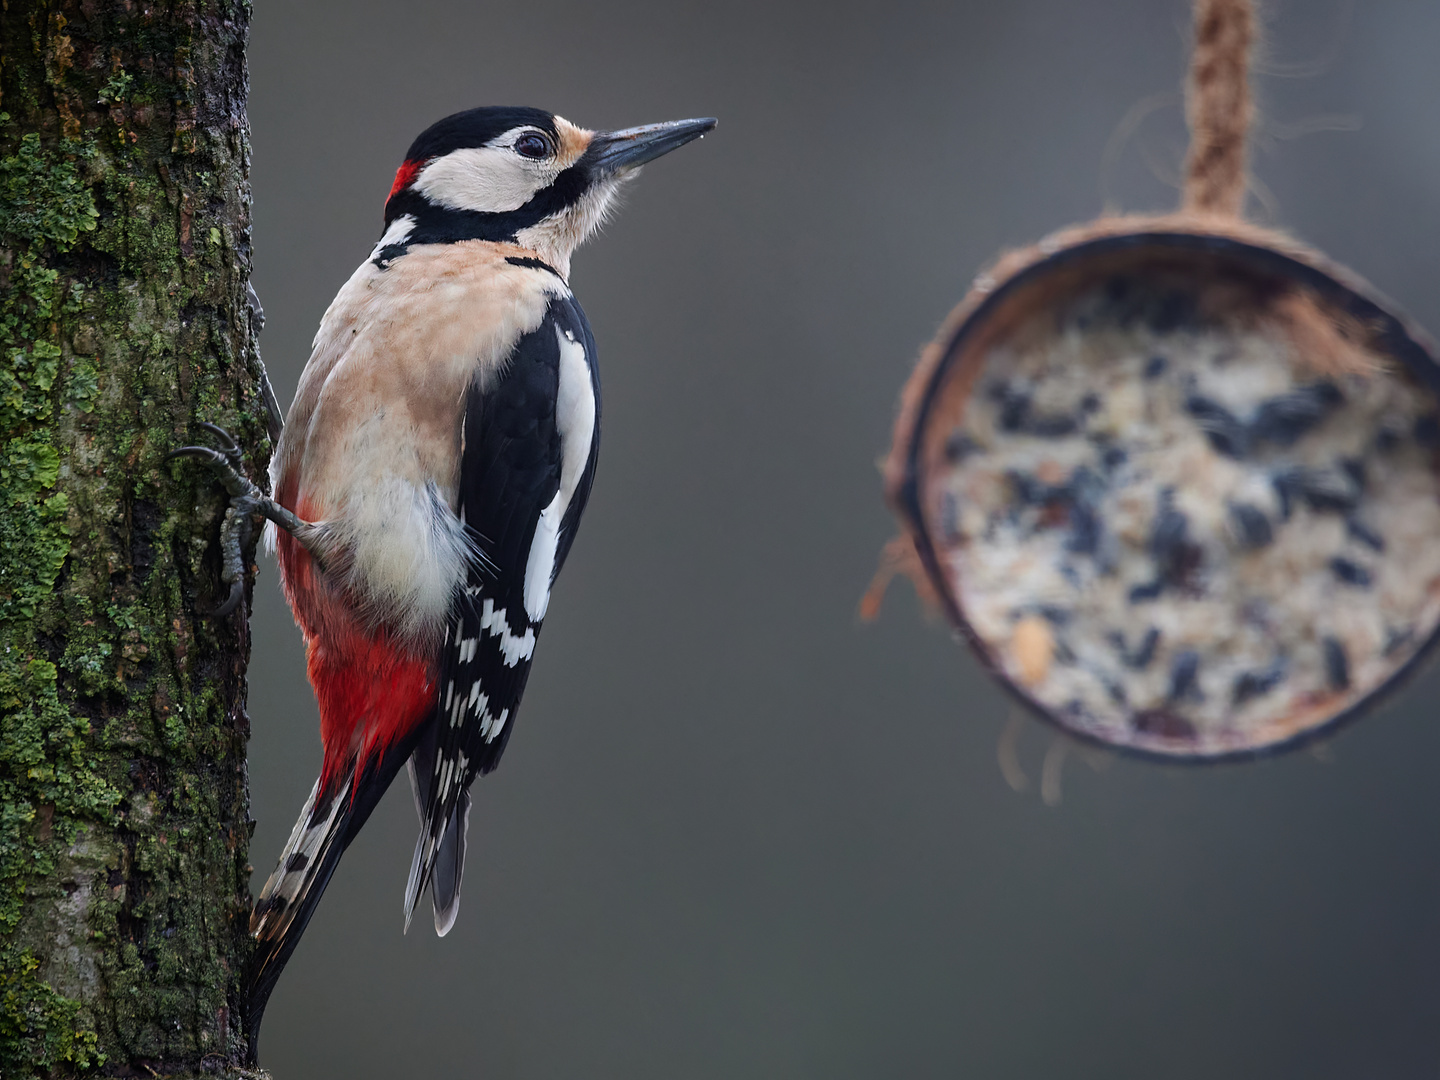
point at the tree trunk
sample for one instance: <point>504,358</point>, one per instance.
<point>124,258</point>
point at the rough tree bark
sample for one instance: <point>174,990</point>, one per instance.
<point>124,258</point>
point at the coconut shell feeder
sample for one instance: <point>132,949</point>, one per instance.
<point>1176,479</point>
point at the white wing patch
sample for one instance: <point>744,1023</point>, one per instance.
<point>575,421</point>
<point>540,566</point>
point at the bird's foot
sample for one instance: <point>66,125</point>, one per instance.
<point>246,502</point>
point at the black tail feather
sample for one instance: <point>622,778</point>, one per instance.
<point>449,863</point>
<point>449,867</point>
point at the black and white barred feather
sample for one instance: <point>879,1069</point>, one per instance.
<point>330,819</point>
<point>528,456</point>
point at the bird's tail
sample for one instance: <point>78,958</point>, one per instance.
<point>448,865</point>
<point>328,823</point>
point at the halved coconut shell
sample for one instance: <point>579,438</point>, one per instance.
<point>1177,480</point>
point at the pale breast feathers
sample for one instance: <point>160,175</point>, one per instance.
<point>371,446</point>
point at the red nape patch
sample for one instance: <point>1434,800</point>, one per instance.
<point>403,176</point>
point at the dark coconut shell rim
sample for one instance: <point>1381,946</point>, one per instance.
<point>1392,334</point>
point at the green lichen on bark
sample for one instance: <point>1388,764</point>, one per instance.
<point>124,254</point>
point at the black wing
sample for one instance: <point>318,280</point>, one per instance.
<point>513,451</point>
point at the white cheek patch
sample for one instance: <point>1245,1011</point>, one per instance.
<point>575,421</point>
<point>490,179</point>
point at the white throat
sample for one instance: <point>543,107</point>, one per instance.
<point>556,238</point>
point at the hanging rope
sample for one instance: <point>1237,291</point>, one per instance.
<point>1218,106</point>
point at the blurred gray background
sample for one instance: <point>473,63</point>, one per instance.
<point>737,833</point>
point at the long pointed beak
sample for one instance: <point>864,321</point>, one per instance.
<point>612,151</point>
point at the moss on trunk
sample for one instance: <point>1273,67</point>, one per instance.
<point>124,258</point>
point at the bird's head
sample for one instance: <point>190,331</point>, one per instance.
<point>520,175</point>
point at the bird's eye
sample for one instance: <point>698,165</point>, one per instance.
<point>532,145</point>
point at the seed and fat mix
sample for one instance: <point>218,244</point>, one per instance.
<point>1175,533</point>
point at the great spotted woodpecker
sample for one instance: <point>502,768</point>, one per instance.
<point>428,483</point>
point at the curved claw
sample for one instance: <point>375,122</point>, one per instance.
<point>228,465</point>
<point>247,503</point>
<point>229,468</point>
<point>213,456</point>
<point>228,446</point>
<point>229,451</point>
<point>237,590</point>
